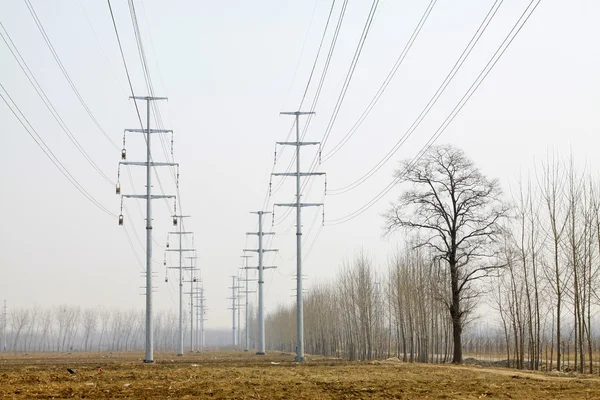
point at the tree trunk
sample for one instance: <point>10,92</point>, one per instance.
<point>456,316</point>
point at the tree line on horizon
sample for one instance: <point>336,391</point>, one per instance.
<point>530,256</point>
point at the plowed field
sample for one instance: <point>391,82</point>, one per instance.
<point>237,375</point>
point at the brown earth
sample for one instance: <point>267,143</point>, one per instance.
<point>237,375</point>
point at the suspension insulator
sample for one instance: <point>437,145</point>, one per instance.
<point>123,154</point>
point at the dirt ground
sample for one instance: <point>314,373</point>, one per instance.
<point>237,375</point>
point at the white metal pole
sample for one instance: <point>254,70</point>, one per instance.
<point>233,308</point>
<point>201,319</point>
<point>149,326</point>
<point>246,309</point>
<point>198,324</point>
<point>299,304</point>
<point>180,353</point>
<point>261,305</point>
<point>192,306</point>
<point>239,325</point>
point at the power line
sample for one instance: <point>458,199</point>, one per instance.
<point>100,46</point>
<point>135,253</point>
<point>430,104</point>
<point>14,108</point>
<point>112,15</point>
<point>346,84</point>
<point>156,109</point>
<point>350,74</point>
<point>472,89</point>
<point>65,73</point>
<point>315,99</point>
<point>133,92</point>
<point>303,47</point>
<point>385,83</point>
<point>321,80</point>
<point>318,53</point>
<point>130,88</point>
<point>42,95</point>
<point>326,66</point>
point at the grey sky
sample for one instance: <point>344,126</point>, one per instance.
<point>228,69</point>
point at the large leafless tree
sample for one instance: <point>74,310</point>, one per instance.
<point>457,211</point>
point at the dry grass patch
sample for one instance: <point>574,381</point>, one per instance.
<point>236,375</point>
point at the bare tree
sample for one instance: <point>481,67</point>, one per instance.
<point>90,323</point>
<point>46,334</point>
<point>19,321</point>
<point>105,316</point>
<point>552,186</point>
<point>459,211</point>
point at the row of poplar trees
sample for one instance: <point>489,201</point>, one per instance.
<point>73,328</point>
<point>524,262</point>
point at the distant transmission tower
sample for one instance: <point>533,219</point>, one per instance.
<point>203,309</point>
<point>199,310</point>
<point>193,280</point>
<point>247,291</point>
<point>299,205</point>
<point>149,164</point>
<point>261,281</point>
<point>180,250</point>
<point>233,308</point>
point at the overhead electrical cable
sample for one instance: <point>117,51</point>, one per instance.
<point>137,109</point>
<point>318,53</point>
<point>345,86</point>
<point>130,82</point>
<point>459,106</point>
<point>386,82</point>
<point>40,92</point>
<point>324,72</point>
<point>312,18</point>
<point>114,74</point>
<point>350,73</point>
<point>14,108</point>
<point>65,73</point>
<point>430,104</point>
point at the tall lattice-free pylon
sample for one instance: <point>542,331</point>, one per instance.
<point>233,308</point>
<point>247,291</point>
<point>180,250</point>
<point>193,280</point>
<point>261,280</point>
<point>203,309</point>
<point>149,164</point>
<point>299,205</point>
<point>200,310</point>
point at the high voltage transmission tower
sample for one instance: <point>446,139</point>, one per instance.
<point>246,292</point>
<point>180,250</point>
<point>149,164</point>
<point>299,205</point>
<point>202,312</point>
<point>239,310</point>
<point>233,308</point>
<point>199,315</point>
<point>261,281</point>
<point>193,280</point>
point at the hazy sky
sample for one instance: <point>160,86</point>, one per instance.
<point>229,68</point>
